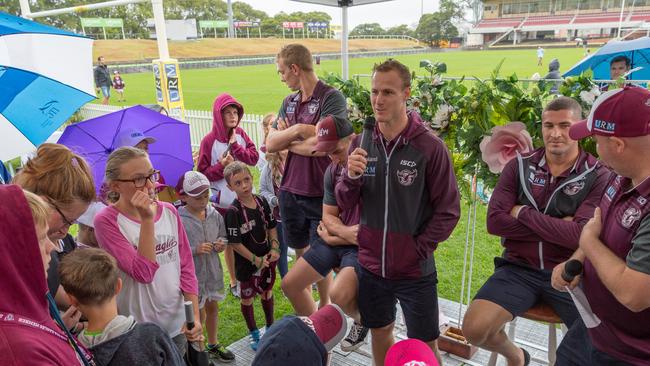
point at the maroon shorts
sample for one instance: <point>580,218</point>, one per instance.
<point>258,283</point>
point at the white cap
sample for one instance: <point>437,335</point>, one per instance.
<point>89,216</point>
<point>132,137</point>
<point>193,183</point>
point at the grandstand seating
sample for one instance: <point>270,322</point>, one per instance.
<point>597,18</point>
<point>640,16</point>
<point>500,23</point>
<point>547,20</point>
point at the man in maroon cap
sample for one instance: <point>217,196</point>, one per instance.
<point>615,243</point>
<point>538,208</point>
<point>336,246</point>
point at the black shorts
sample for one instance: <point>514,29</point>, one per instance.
<point>323,258</point>
<point>576,349</point>
<point>517,288</point>
<point>300,216</point>
<point>417,297</point>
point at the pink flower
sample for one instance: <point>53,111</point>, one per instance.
<point>504,144</point>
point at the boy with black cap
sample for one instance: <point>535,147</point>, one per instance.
<point>206,232</point>
<point>336,246</point>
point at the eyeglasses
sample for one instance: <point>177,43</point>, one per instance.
<point>65,219</point>
<point>142,181</point>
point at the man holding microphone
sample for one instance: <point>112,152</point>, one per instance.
<point>404,181</point>
<point>615,243</point>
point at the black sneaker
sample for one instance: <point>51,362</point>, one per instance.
<point>355,338</point>
<point>220,353</point>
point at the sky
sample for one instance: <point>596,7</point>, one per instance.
<point>388,14</point>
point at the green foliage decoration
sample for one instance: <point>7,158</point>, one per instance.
<point>463,111</point>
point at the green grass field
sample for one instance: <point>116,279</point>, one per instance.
<point>260,90</point>
<point>449,262</point>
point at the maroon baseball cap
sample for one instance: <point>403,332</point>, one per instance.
<point>329,131</point>
<point>620,112</point>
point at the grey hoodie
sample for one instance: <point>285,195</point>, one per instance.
<point>554,73</point>
<point>125,342</point>
<point>208,268</point>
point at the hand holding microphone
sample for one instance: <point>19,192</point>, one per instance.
<point>567,275</point>
<point>357,161</point>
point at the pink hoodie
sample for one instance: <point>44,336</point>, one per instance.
<point>28,335</point>
<point>215,143</point>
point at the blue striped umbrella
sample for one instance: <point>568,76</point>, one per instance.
<point>45,76</point>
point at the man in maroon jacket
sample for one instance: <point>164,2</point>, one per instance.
<point>538,208</point>
<point>615,243</point>
<point>409,200</point>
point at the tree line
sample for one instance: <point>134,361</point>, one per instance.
<point>431,29</point>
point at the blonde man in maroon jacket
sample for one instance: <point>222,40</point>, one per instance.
<point>409,201</point>
<point>538,208</point>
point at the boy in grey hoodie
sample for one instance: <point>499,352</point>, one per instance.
<point>91,280</point>
<point>206,232</point>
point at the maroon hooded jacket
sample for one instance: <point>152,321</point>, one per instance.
<point>215,144</point>
<point>28,336</point>
<point>409,202</point>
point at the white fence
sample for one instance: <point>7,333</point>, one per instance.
<point>200,122</point>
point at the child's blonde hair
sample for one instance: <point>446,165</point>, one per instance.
<point>266,124</point>
<point>114,164</point>
<point>40,211</point>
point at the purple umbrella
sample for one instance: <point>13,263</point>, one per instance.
<point>96,138</point>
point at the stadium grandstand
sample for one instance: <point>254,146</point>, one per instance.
<point>519,21</point>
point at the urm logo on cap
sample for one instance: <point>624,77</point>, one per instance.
<point>604,126</point>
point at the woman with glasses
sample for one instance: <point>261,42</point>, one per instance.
<point>148,240</point>
<point>64,181</point>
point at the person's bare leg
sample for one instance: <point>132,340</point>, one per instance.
<point>296,285</point>
<point>323,285</point>
<point>344,292</point>
<point>382,340</point>
<point>483,326</point>
<point>434,347</point>
<point>229,254</point>
<point>212,321</point>
<point>324,290</point>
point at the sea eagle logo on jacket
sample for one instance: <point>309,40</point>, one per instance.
<point>406,177</point>
<point>630,215</point>
<point>573,188</point>
<point>312,107</point>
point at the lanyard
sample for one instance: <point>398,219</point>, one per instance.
<point>85,357</point>
<point>259,209</point>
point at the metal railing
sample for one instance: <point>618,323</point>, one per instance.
<point>200,122</point>
<point>385,36</point>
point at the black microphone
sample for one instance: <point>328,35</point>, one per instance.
<point>572,269</point>
<point>366,134</point>
<point>189,314</point>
